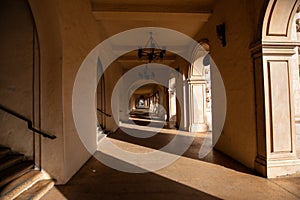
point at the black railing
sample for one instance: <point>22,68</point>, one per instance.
<point>104,113</point>
<point>29,123</point>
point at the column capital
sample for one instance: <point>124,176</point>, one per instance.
<point>274,48</point>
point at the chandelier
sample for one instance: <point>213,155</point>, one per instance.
<point>146,74</point>
<point>151,50</point>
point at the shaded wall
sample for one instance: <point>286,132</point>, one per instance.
<point>234,62</point>
<point>67,33</point>
<point>112,75</point>
<point>46,19</point>
<point>16,74</point>
<point>79,35</point>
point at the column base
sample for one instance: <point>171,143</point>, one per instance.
<point>198,128</point>
<point>273,169</point>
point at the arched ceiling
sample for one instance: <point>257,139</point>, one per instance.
<point>145,89</point>
<point>185,16</point>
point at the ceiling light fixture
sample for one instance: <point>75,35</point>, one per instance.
<point>151,50</point>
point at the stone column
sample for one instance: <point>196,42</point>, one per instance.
<point>197,104</point>
<point>296,93</point>
<point>185,105</point>
<point>197,83</point>
<point>172,106</point>
<point>297,85</point>
<point>276,139</point>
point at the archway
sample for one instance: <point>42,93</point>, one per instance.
<point>20,80</point>
<point>275,59</point>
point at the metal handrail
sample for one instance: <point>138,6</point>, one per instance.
<point>101,111</point>
<point>29,123</point>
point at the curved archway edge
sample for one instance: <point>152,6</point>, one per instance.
<point>274,59</point>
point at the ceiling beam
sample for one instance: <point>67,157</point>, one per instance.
<point>174,6</point>
<point>131,58</point>
<point>151,16</point>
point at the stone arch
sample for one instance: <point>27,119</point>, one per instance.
<point>278,20</point>
<point>274,59</point>
<point>197,86</point>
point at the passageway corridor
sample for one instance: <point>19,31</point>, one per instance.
<point>144,117</point>
<point>91,90</point>
<point>214,177</point>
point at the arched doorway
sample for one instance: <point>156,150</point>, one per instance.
<point>20,79</point>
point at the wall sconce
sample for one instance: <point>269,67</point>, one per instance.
<point>221,33</point>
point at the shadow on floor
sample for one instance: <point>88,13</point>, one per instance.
<point>97,181</point>
<point>140,117</point>
<point>161,139</point>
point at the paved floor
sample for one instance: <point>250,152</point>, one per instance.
<point>215,176</point>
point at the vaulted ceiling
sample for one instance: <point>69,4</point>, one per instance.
<point>185,16</point>
<point>145,89</point>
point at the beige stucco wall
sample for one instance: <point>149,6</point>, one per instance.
<point>80,35</point>
<point>16,75</point>
<point>68,32</point>
<point>234,62</point>
<point>46,18</point>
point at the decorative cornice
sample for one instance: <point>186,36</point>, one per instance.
<point>274,48</point>
<point>279,49</point>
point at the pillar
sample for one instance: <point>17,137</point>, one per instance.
<point>275,59</point>
<point>276,138</point>
<point>297,85</point>
<point>197,97</point>
<point>197,122</point>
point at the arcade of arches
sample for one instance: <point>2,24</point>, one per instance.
<point>41,54</point>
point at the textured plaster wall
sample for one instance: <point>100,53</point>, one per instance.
<point>46,19</point>
<point>18,62</point>
<point>79,35</point>
<point>68,32</point>
<point>235,64</point>
<point>16,74</point>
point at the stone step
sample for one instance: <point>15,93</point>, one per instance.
<point>19,185</point>
<point>4,151</point>
<point>15,171</point>
<point>37,191</point>
<point>10,160</point>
